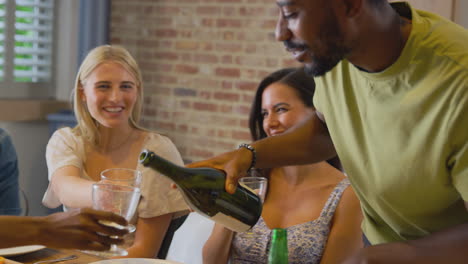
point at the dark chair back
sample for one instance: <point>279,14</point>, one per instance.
<point>173,226</point>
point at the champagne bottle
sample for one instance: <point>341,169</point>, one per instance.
<point>203,189</point>
<point>278,253</point>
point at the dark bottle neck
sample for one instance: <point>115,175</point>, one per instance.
<point>179,173</point>
<point>171,170</point>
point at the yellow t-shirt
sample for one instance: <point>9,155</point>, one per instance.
<point>402,134</point>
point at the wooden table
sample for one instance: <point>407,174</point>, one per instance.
<point>49,254</point>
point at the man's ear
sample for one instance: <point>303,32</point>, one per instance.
<point>350,8</point>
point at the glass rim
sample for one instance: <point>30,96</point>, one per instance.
<point>253,178</point>
<point>138,173</point>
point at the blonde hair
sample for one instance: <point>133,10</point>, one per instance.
<point>87,125</point>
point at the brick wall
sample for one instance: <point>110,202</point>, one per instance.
<point>201,62</point>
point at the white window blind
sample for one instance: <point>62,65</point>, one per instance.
<point>26,48</point>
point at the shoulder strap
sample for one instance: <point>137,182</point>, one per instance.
<point>330,206</point>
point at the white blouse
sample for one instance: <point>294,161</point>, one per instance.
<point>65,148</point>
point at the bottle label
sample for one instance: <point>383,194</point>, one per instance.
<point>230,222</point>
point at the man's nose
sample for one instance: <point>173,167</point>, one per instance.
<point>282,32</point>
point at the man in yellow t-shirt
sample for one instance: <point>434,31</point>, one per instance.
<point>392,102</point>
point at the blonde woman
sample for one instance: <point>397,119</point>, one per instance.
<point>107,103</point>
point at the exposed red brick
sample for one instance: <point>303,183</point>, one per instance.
<point>185,92</point>
<point>149,111</point>
<point>207,22</point>
<point>206,46</point>
<point>167,10</point>
<point>252,11</point>
<point>205,83</point>
<point>228,72</point>
<point>165,125</point>
<point>208,10</point>
<point>225,108</point>
<point>249,73</point>
<point>187,45</point>
<point>289,63</point>
<point>182,128</point>
<point>232,97</point>
<point>248,98</point>
<point>205,95</point>
<point>228,35</point>
<point>185,104</point>
<point>243,110</point>
<point>222,133</point>
<point>246,86</point>
<point>205,106</point>
<point>244,123</point>
<point>186,57</point>
<point>229,1</point>
<point>205,58</point>
<point>241,135</point>
<point>185,33</point>
<point>227,85</point>
<point>226,59</point>
<point>229,47</point>
<point>201,62</point>
<point>224,120</point>
<point>210,133</point>
<point>250,61</point>
<point>165,79</point>
<point>179,116</point>
<point>166,55</point>
<point>202,153</point>
<point>229,11</point>
<point>165,33</point>
<point>186,69</point>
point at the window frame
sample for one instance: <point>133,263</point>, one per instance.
<point>11,89</point>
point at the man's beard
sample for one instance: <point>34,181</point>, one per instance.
<point>321,64</point>
<point>331,41</point>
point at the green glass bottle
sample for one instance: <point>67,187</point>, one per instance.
<point>278,253</point>
<point>203,190</point>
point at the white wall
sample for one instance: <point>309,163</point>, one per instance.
<point>30,140</point>
<point>461,12</point>
<point>67,48</point>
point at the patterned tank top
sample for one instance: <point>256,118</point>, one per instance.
<point>306,241</point>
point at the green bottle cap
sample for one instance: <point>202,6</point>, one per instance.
<point>278,232</point>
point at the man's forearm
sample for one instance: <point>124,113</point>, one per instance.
<point>307,143</point>
<point>448,246</point>
<point>16,231</point>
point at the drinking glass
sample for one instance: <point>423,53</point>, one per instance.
<point>257,185</point>
<point>119,199</point>
<point>122,176</point>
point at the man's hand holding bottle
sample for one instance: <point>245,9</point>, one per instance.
<point>234,163</point>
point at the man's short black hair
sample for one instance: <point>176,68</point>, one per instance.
<point>377,2</point>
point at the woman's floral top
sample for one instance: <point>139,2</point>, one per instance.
<point>306,241</point>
